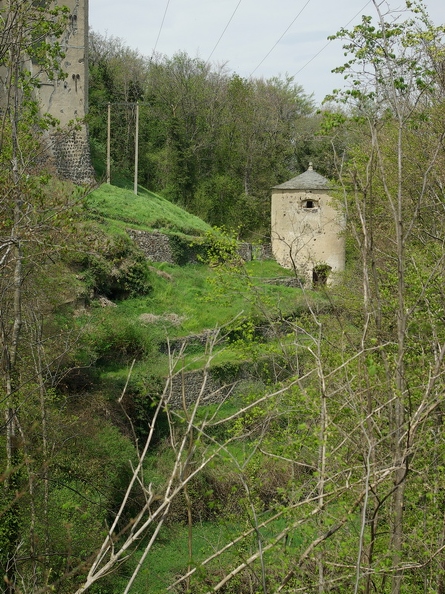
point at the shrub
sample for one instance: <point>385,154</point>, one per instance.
<point>115,268</point>
<point>120,339</point>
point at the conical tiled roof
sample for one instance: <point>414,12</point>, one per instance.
<point>309,180</point>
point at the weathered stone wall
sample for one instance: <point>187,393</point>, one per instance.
<point>249,251</point>
<point>154,245</point>
<point>215,390</point>
<point>190,384</point>
<point>71,153</point>
<point>286,282</point>
<point>221,382</point>
<point>245,251</point>
<point>157,247</point>
<point>263,252</point>
<point>198,340</point>
<point>67,99</point>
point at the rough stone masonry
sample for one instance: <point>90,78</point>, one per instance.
<point>67,100</point>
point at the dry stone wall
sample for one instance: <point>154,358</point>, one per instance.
<point>158,247</point>
<point>155,246</point>
<point>220,382</point>
<point>189,386</point>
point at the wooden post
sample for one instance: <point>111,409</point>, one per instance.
<point>109,145</point>
<point>136,150</point>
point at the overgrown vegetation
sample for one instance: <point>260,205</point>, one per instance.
<point>320,468</point>
<point>209,141</point>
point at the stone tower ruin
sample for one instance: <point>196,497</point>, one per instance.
<point>67,100</point>
<point>67,150</point>
<point>307,228</point>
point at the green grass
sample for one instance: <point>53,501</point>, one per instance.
<point>267,269</point>
<point>146,211</point>
<point>185,300</point>
<point>200,298</point>
<point>205,299</point>
<point>168,558</point>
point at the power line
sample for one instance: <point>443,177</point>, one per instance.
<point>160,28</point>
<point>330,41</point>
<point>274,45</point>
<point>279,39</point>
<point>222,34</point>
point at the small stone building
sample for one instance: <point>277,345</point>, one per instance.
<point>307,228</point>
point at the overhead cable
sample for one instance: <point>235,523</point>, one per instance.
<point>160,29</point>
<point>330,41</point>
<point>222,34</point>
<point>279,39</point>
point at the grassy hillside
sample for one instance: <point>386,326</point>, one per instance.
<point>146,211</point>
<point>135,313</point>
<point>182,300</point>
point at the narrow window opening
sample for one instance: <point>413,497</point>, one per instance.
<point>310,204</point>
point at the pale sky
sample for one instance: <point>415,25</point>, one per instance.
<point>262,38</point>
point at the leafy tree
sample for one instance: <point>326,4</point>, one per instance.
<point>359,424</point>
<point>25,28</point>
<point>42,482</point>
<point>211,142</point>
<point>118,76</point>
<point>393,176</point>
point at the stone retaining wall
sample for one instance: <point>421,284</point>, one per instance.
<point>215,390</point>
<point>220,383</point>
<point>157,247</point>
<point>285,281</point>
<point>71,154</point>
<point>154,245</point>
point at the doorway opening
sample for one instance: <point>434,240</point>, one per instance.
<point>320,274</point>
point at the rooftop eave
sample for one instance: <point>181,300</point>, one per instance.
<point>309,180</point>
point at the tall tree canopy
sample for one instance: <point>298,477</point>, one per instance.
<point>209,140</point>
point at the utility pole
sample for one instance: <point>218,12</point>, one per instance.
<point>136,141</point>
<point>136,150</point>
<point>109,145</point>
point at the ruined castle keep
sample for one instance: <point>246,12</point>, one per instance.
<point>67,100</point>
<point>307,228</point>
<point>66,148</point>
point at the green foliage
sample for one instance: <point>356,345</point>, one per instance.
<point>210,142</point>
<point>87,479</point>
<point>394,54</point>
<point>117,269</point>
<point>117,338</point>
<point>221,248</point>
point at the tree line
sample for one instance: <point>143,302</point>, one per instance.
<point>354,436</point>
<point>210,141</point>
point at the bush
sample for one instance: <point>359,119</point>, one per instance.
<point>119,339</point>
<point>115,269</point>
